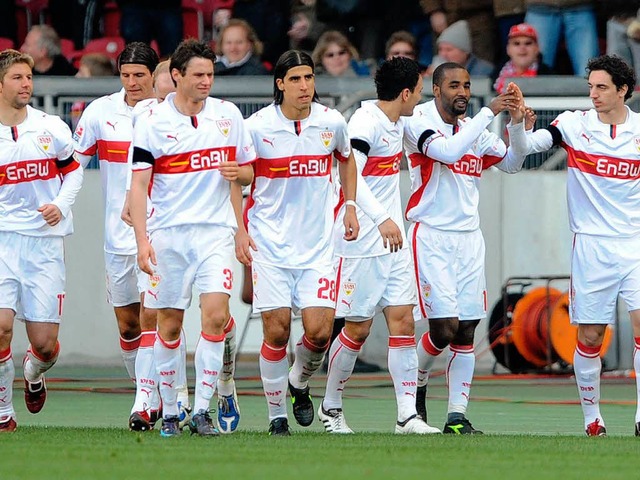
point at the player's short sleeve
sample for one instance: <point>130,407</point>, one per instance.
<point>61,137</point>
<point>342,148</point>
<point>245,150</point>
<point>565,123</point>
<point>85,135</point>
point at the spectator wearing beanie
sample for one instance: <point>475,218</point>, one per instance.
<point>454,45</point>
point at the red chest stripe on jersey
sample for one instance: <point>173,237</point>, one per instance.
<point>298,166</point>
<point>28,171</point>
<point>198,160</point>
<point>426,169</point>
<point>602,165</point>
<point>340,157</point>
<point>382,166</point>
<point>490,161</point>
<point>112,151</point>
<point>468,165</point>
<point>69,168</point>
<point>89,151</point>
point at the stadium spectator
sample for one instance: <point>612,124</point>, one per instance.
<point>573,20</point>
<point>447,155</point>
<point>239,50</point>
<point>190,238</point>
<point>95,65</point>
<point>454,45</point>
<point>524,56</point>
<point>305,27</point>
<point>36,218</point>
<point>43,44</point>
<point>290,247</point>
<point>377,271</point>
<point>507,13</point>
<point>604,215</point>
<point>335,55</point>
<point>401,44</point>
<point>623,31</point>
<point>146,20</point>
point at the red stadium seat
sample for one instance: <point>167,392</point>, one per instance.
<point>111,20</point>
<point>27,12</point>
<point>192,19</point>
<point>6,43</point>
<point>110,46</point>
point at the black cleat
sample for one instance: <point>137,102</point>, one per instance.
<point>421,402</point>
<point>139,422</point>
<point>279,426</point>
<point>460,425</point>
<point>202,425</point>
<point>302,405</point>
<point>638,429</point>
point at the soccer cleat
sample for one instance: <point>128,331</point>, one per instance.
<point>594,429</point>
<point>637,429</point>
<point>279,427</point>
<point>35,394</point>
<point>184,414</point>
<point>460,425</point>
<point>302,405</point>
<point>414,425</point>
<point>170,426</point>
<point>154,416</point>
<point>8,424</point>
<point>202,425</point>
<point>140,422</point>
<point>228,413</point>
<point>421,402</point>
<point>333,420</point>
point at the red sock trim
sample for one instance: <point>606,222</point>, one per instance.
<point>170,344</point>
<point>54,354</point>
<point>636,339</point>
<point>461,348</point>
<point>5,355</point>
<point>588,352</point>
<point>402,341</point>
<point>347,342</point>
<point>212,338</point>
<point>129,345</point>
<point>147,339</point>
<point>229,326</point>
<point>273,354</point>
<point>428,345</point>
<point>312,346</point>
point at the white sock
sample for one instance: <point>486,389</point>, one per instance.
<point>35,367</point>
<point>183,388</point>
<point>342,358</point>
<point>274,368</point>
<point>146,378</point>
<point>226,383</point>
<point>587,366</point>
<point>427,353</point>
<point>636,368</point>
<point>7,375</point>
<point>308,359</point>
<point>208,360</point>
<point>461,363</point>
<point>168,364</point>
<point>403,368</point>
<point>129,350</point>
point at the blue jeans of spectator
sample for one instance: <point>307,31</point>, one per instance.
<point>142,24</point>
<point>577,25</point>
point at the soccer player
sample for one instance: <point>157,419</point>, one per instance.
<point>39,181</point>
<point>106,128</point>
<point>447,155</point>
<point>603,192</point>
<point>290,229</point>
<point>375,271</point>
<point>194,148</point>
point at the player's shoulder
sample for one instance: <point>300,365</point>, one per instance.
<point>327,113</point>
<point>221,107</point>
<point>266,117</point>
<point>43,120</point>
<point>143,106</point>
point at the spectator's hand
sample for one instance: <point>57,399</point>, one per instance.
<point>300,28</point>
<point>530,118</point>
<point>221,17</point>
<point>438,22</point>
<point>51,214</point>
<point>391,235</point>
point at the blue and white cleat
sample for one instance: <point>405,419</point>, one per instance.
<point>228,413</point>
<point>184,414</point>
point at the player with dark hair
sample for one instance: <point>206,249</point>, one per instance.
<point>376,272</point>
<point>39,181</point>
<point>603,193</point>
<point>290,227</point>
<point>447,155</point>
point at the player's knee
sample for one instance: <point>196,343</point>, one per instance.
<point>591,335</point>
<point>319,338</point>
<point>357,331</point>
<point>443,331</point>
<point>45,348</point>
<point>277,335</point>
<point>465,333</point>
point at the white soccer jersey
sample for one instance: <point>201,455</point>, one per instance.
<point>445,196</point>
<point>371,129</point>
<point>32,164</point>
<point>106,128</point>
<point>291,214</point>
<point>187,188</point>
<point>603,174</point>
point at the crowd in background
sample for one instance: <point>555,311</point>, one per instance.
<point>494,38</point>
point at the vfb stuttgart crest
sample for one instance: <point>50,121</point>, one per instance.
<point>154,280</point>
<point>349,287</point>
<point>326,138</point>
<point>224,126</point>
<point>45,142</point>
<point>426,290</point>
<point>636,142</point>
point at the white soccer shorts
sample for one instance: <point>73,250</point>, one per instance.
<point>125,281</point>
<point>32,276</point>
<point>450,273</point>
<point>295,288</point>
<point>368,285</point>
<point>199,256</point>
<point>602,268</point>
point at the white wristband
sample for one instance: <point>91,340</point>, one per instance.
<point>351,203</point>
